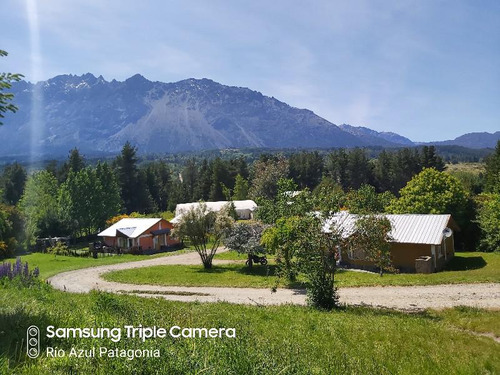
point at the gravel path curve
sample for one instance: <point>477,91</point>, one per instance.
<point>398,297</point>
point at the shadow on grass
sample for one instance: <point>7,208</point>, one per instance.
<point>13,326</point>
<point>258,270</point>
<point>214,269</point>
<point>244,270</point>
<point>459,263</point>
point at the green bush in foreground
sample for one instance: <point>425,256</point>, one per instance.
<point>269,340</point>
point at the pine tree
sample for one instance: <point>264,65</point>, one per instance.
<point>220,178</point>
<point>75,163</point>
<point>128,177</point>
<point>336,167</point>
<point>430,159</point>
<point>204,181</point>
<point>158,181</point>
<point>358,169</point>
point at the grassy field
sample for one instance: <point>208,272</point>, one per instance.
<point>475,168</point>
<point>50,265</point>
<point>230,255</point>
<point>269,340</point>
<point>464,268</point>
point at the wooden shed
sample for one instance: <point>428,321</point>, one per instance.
<point>415,237</point>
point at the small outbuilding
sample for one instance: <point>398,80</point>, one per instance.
<point>244,208</point>
<point>141,233</point>
<point>420,243</point>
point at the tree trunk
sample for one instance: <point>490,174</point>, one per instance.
<point>250,261</point>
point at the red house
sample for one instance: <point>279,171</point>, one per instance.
<point>144,233</point>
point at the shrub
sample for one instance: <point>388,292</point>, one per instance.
<point>60,248</point>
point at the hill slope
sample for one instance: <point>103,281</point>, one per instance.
<point>474,140</point>
<point>100,116</point>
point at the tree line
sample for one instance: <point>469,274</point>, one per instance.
<point>77,198</point>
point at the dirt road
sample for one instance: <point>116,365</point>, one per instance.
<point>398,297</point>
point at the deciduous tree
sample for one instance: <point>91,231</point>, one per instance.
<point>39,206</point>
<point>372,239</point>
<point>287,202</point>
<point>431,192</point>
<point>266,174</point>
<point>245,239</point>
<point>366,200</point>
<point>489,221</point>
<point>302,247</point>
<point>493,171</point>
<point>6,80</point>
<point>205,230</point>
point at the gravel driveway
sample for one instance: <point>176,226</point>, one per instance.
<point>398,297</point>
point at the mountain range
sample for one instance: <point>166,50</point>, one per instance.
<point>99,116</point>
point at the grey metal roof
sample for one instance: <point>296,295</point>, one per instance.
<point>406,228</point>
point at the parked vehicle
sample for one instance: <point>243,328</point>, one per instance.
<point>257,259</point>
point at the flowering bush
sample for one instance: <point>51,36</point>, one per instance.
<point>19,270</point>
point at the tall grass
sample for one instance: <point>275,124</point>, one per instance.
<point>270,340</point>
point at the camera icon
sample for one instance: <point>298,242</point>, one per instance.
<point>33,341</point>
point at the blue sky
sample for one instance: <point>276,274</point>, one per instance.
<point>426,69</point>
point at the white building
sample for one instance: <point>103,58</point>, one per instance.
<point>244,209</point>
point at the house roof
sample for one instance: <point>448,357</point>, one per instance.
<point>182,208</point>
<point>130,227</point>
<point>406,228</point>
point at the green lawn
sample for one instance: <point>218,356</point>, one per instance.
<point>269,340</point>
<point>235,275</point>
<point>464,268</point>
<point>470,267</point>
<point>50,265</point>
<point>231,255</point>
